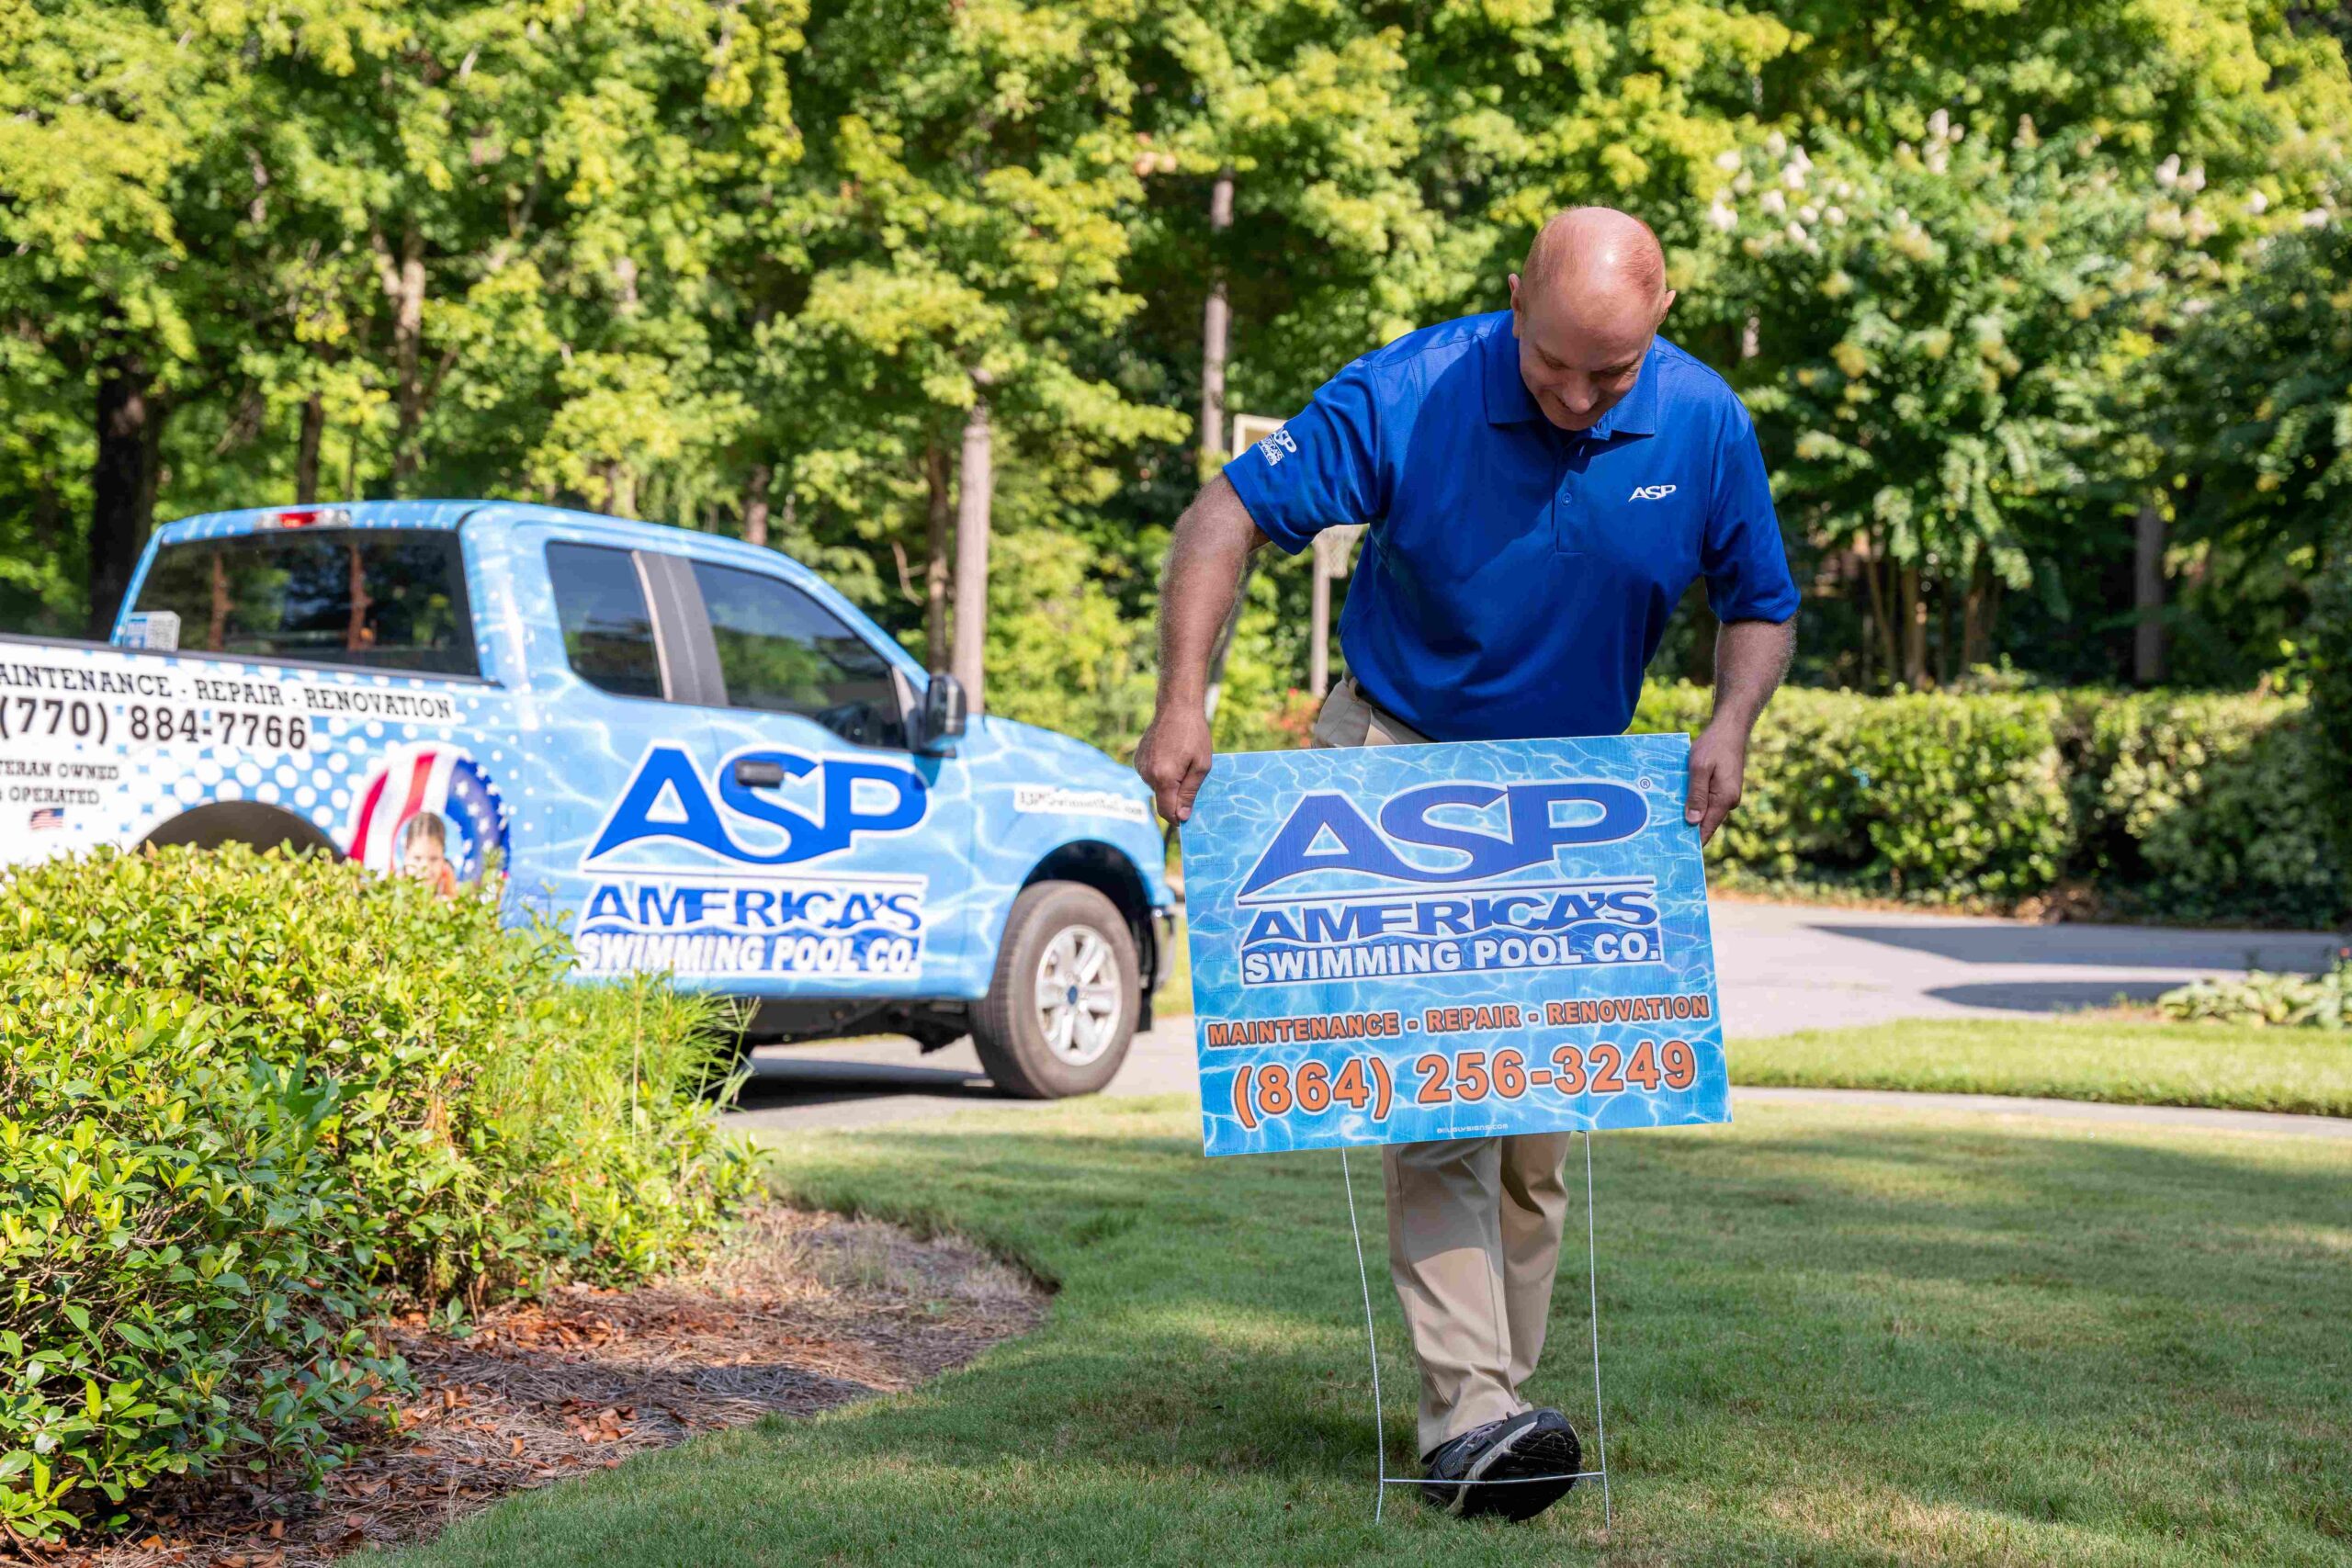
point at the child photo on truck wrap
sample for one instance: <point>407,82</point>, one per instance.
<point>424,852</point>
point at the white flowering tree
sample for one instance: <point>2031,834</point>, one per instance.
<point>1945,346</point>
<point>2259,407</point>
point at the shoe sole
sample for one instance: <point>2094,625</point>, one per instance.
<point>1453,1496</point>
<point>1555,1455</point>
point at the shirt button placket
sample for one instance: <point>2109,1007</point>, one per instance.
<point>1566,518</point>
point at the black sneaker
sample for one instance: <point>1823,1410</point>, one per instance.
<point>1515,1450</point>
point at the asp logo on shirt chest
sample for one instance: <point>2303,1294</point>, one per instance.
<point>1627,505</point>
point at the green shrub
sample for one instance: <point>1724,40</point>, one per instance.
<point>2177,806</point>
<point>2202,807</point>
<point>1963,795</point>
<point>1796,816</point>
<point>183,1261</point>
<point>1937,797</point>
<point>2328,633</point>
<point>252,1098</point>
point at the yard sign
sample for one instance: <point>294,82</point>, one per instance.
<point>1397,944</point>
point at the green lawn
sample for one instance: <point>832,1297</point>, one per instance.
<point>2110,1057</point>
<point>1915,1340</point>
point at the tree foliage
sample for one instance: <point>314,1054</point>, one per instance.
<point>748,265</point>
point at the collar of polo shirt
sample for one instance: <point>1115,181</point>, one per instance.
<point>1509,403</point>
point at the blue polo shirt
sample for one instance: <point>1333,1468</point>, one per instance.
<point>1517,578</point>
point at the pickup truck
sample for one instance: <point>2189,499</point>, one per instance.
<point>692,751</point>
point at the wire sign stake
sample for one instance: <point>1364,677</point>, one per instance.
<point>1372,1338</point>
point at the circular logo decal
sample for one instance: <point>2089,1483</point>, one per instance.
<point>427,811</point>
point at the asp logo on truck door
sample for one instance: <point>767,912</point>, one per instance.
<point>668,800</point>
<point>771,908</point>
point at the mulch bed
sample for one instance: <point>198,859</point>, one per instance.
<point>801,1312</point>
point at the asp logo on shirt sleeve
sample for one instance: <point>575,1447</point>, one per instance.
<point>1276,446</point>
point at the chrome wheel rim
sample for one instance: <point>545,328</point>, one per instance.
<point>1079,999</point>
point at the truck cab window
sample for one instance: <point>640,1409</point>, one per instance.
<point>380,598</point>
<point>780,651</point>
<point>607,631</point>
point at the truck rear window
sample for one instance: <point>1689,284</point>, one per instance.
<point>380,598</point>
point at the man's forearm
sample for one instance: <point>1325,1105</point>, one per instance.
<point>1750,659</point>
<point>1211,545</point>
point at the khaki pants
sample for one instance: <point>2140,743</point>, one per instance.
<point>1474,1224</point>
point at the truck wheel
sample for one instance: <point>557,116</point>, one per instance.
<point>1062,1008</point>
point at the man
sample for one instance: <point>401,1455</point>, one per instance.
<point>1540,485</point>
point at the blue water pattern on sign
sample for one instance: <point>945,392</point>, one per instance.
<point>1333,888</point>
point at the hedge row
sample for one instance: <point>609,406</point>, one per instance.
<point>247,1104</point>
<point>2151,805</point>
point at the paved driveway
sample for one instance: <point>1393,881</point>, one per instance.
<point>1782,967</point>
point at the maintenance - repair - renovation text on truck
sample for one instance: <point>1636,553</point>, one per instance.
<point>701,757</point>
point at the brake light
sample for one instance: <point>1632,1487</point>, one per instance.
<point>308,517</point>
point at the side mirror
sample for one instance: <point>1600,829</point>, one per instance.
<point>943,712</point>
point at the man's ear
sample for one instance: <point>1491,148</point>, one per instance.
<point>1663,306</point>
<point>1514,298</point>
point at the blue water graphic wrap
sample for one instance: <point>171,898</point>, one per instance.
<point>869,872</point>
<point>1395,944</point>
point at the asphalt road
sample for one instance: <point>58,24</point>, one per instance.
<point>1782,967</point>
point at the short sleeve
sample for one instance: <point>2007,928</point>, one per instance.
<point>1320,470</point>
<point>1745,563</point>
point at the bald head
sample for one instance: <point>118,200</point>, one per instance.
<point>1585,307</point>
<point>1597,251</point>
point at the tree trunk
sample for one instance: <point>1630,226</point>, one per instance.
<point>1914,630</point>
<point>620,489</point>
<point>974,486</point>
<point>122,483</point>
<point>1883,616</point>
<point>1217,319</point>
<point>755,504</point>
<point>403,281</point>
<point>2148,597</point>
<point>357,637</point>
<point>1943,635</point>
<point>1318,631</point>
<point>47,518</point>
<point>215,631</point>
<point>1700,666</point>
<point>1976,619</point>
<point>306,451</point>
<point>939,521</point>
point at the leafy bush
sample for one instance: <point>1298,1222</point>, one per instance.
<point>248,1100</point>
<point>2199,806</point>
<point>184,1262</point>
<point>2262,996</point>
<point>2329,631</point>
<point>2177,806</point>
<point>1933,797</point>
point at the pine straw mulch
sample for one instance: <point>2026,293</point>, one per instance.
<point>801,1312</point>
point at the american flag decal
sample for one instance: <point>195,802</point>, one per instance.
<point>413,780</point>
<point>48,816</point>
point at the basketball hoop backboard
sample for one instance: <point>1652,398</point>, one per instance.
<point>1248,429</point>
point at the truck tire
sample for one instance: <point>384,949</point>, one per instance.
<point>1062,1008</point>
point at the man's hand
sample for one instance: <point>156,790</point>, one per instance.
<point>1750,659</point>
<point>1718,764</point>
<point>1173,758</point>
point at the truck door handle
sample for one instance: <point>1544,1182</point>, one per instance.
<point>754,774</point>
